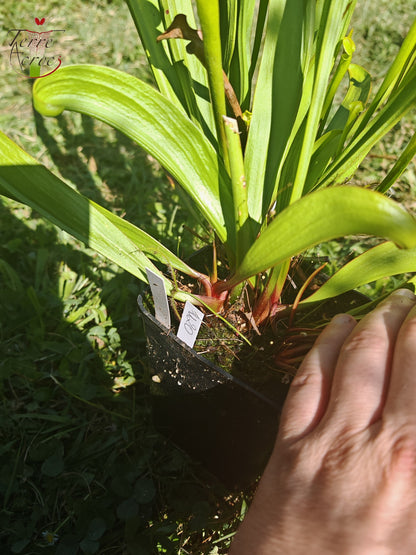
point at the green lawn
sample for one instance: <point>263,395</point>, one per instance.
<point>82,468</point>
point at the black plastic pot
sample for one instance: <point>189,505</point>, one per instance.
<point>226,424</point>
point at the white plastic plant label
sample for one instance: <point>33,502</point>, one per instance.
<point>190,323</point>
<point>157,287</point>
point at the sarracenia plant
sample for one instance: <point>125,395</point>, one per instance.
<point>246,119</point>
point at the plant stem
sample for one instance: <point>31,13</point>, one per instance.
<point>270,297</point>
<point>239,187</point>
<point>209,16</point>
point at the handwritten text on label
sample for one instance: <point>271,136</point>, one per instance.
<point>190,324</point>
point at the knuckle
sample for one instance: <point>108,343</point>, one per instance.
<point>306,377</point>
<point>341,453</point>
<point>402,450</point>
<point>324,456</point>
<point>360,341</point>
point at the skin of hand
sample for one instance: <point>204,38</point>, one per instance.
<point>342,476</point>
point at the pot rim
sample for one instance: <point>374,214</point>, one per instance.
<point>169,332</point>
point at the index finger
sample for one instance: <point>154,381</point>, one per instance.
<point>309,392</point>
<point>401,396</point>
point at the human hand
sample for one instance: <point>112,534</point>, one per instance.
<point>342,477</point>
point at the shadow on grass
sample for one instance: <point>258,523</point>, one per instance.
<point>82,466</point>
<point>56,390</point>
<point>81,463</point>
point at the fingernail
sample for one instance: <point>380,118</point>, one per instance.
<point>404,293</point>
<point>342,319</point>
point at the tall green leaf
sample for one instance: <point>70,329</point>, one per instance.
<point>400,165</point>
<point>342,67</point>
<point>399,68</point>
<point>358,91</point>
<point>179,76</point>
<point>147,18</point>
<point>260,126</point>
<point>391,113</point>
<point>26,180</point>
<point>330,32</point>
<point>258,33</point>
<point>324,215</point>
<point>190,71</point>
<point>288,87</point>
<point>239,73</point>
<point>380,261</point>
<point>228,29</point>
<point>151,120</point>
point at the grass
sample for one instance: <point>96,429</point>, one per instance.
<point>82,468</point>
